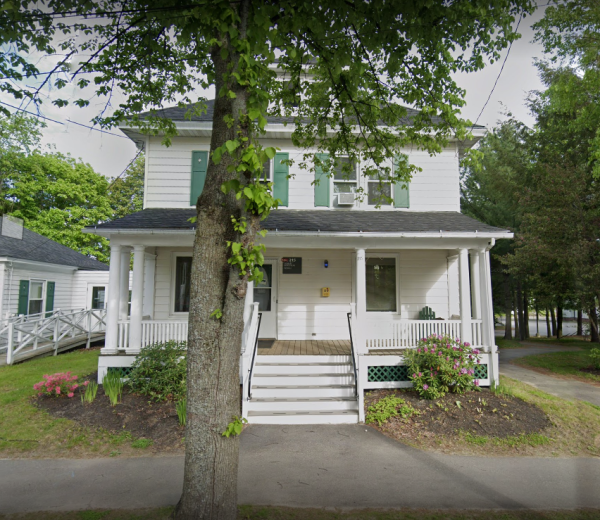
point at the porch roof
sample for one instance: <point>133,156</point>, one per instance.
<point>314,221</point>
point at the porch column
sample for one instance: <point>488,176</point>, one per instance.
<point>361,284</point>
<point>476,301</point>
<point>112,306</point>
<point>489,339</point>
<point>124,283</point>
<point>465,296</point>
<point>137,299</point>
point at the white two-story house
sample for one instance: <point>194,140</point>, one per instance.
<point>346,288</point>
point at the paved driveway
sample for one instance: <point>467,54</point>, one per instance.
<point>565,388</point>
<point>342,466</point>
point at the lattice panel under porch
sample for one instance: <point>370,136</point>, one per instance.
<point>399,373</point>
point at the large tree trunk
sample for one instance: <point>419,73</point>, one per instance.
<point>559,321</point>
<point>594,336</point>
<point>516,314</point>
<point>521,334</point>
<point>507,308</point>
<point>526,334</point>
<point>579,323</point>
<point>211,460</point>
<point>537,320</point>
<point>548,330</point>
<point>553,318</point>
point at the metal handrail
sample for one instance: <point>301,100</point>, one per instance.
<point>254,357</point>
<point>352,355</point>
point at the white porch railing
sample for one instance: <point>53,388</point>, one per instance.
<point>30,333</point>
<point>154,332</point>
<point>399,334</point>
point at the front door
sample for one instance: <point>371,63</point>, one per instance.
<point>265,294</point>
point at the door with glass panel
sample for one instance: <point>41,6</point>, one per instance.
<point>265,294</point>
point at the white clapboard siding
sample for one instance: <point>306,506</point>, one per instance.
<point>168,176</point>
<point>83,281</point>
<point>62,290</point>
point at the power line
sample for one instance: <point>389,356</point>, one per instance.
<point>126,168</point>
<point>498,77</point>
<point>61,123</point>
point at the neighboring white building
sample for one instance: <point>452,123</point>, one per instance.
<point>327,255</point>
<point>38,275</point>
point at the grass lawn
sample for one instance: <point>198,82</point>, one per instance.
<point>26,431</point>
<point>287,513</point>
<point>565,364</point>
<point>508,343</point>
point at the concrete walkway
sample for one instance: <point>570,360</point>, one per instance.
<point>345,466</point>
<point>565,388</point>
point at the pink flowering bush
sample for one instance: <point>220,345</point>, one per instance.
<point>440,365</point>
<point>59,384</point>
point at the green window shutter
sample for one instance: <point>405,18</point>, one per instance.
<point>401,192</point>
<point>321,184</point>
<point>199,167</point>
<point>23,297</point>
<point>281,182</point>
<point>50,286</point>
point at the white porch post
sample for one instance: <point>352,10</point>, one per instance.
<point>124,283</point>
<point>359,323</point>
<point>489,339</point>
<point>465,296</point>
<point>137,299</point>
<point>476,301</point>
<point>112,307</point>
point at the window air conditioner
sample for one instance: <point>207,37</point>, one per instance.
<point>346,199</point>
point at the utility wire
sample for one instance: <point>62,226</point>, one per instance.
<point>498,77</point>
<point>61,123</point>
<point>126,168</point>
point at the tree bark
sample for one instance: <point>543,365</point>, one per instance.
<point>521,334</point>
<point>579,322</point>
<point>537,320</point>
<point>559,321</point>
<point>553,321</point>
<point>213,394</point>
<point>594,336</point>
<point>507,308</point>
<point>516,313</point>
<point>548,330</point>
<point>526,334</point>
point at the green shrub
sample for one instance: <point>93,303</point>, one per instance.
<point>181,408</point>
<point>387,407</point>
<point>440,365</point>
<point>159,371</point>
<point>113,386</point>
<point>595,356</point>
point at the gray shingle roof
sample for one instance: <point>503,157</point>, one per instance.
<point>38,248</point>
<point>319,220</point>
<point>178,114</point>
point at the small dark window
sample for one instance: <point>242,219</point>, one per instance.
<point>98,297</point>
<point>381,284</point>
<point>262,290</point>
<point>183,269</point>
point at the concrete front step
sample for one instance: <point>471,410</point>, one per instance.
<point>260,359</point>
<point>306,404</point>
<point>324,379</point>
<point>307,417</point>
<point>302,368</point>
<point>301,391</point>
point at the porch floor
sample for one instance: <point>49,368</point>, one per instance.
<point>334,347</point>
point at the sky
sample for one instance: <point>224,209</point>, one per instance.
<point>110,154</point>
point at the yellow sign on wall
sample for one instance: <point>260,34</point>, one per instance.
<point>325,292</point>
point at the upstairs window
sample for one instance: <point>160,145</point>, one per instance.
<point>267,173</point>
<point>379,192</point>
<point>345,177</point>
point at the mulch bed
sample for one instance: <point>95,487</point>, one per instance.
<point>591,370</point>
<point>135,414</point>
<point>480,413</point>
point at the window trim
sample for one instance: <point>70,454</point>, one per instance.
<point>358,183</point>
<point>174,256</point>
<point>91,287</point>
<point>396,257</point>
<point>44,286</point>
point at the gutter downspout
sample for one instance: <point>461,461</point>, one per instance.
<point>2,275</point>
